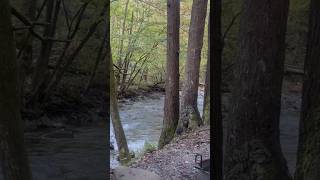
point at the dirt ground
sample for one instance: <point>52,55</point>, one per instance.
<point>177,160</point>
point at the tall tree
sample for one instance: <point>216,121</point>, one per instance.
<point>13,157</point>
<point>206,101</point>
<point>171,102</point>
<point>189,115</point>
<point>109,64</point>
<point>124,153</point>
<point>253,148</point>
<point>215,47</point>
<point>308,162</point>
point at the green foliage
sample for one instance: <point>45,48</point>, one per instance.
<point>149,147</point>
<point>145,26</point>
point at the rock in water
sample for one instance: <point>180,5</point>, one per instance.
<point>126,173</point>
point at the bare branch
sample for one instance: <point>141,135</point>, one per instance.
<point>230,25</point>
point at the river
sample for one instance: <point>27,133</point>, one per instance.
<point>82,156</point>
<point>142,120</point>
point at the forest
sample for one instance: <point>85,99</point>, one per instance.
<point>53,100</point>
<point>155,89</point>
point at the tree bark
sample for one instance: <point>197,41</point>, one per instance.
<point>13,156</point>
<point>171,102</point>
<point>206,101</point>
<point>189,115</point>
<point>253,148</point>
<point>124,153</point>
<point>308,161</point>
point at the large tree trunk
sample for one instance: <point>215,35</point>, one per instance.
<point>308,163</point>
<point>253,148</point>
<point>13,157</point>
<point>124,153</point>
<point>189,115</point>
<point>216,58</point>
<point>171,102</point>
<point>206,101</point>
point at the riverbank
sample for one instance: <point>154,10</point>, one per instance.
<point>68,105</point>
<point>136,91</point>
<point>177,159</point>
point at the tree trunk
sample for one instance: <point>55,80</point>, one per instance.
<point>216,59</point>
<point>190,116</point>
<point>308,162</point>
<point>124,153</point>
<point>171,102</point>
<point>13,157</point>
<point>206,101</point>
<point>109,66</point>
<point>253,148</point>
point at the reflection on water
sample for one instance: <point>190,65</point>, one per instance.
<point>142,121</point>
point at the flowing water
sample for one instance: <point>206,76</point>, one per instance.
<point>81,155</point>
<point>70,154</point>
<point>142,122</point>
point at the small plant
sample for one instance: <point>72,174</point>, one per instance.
<point>149,147</point>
